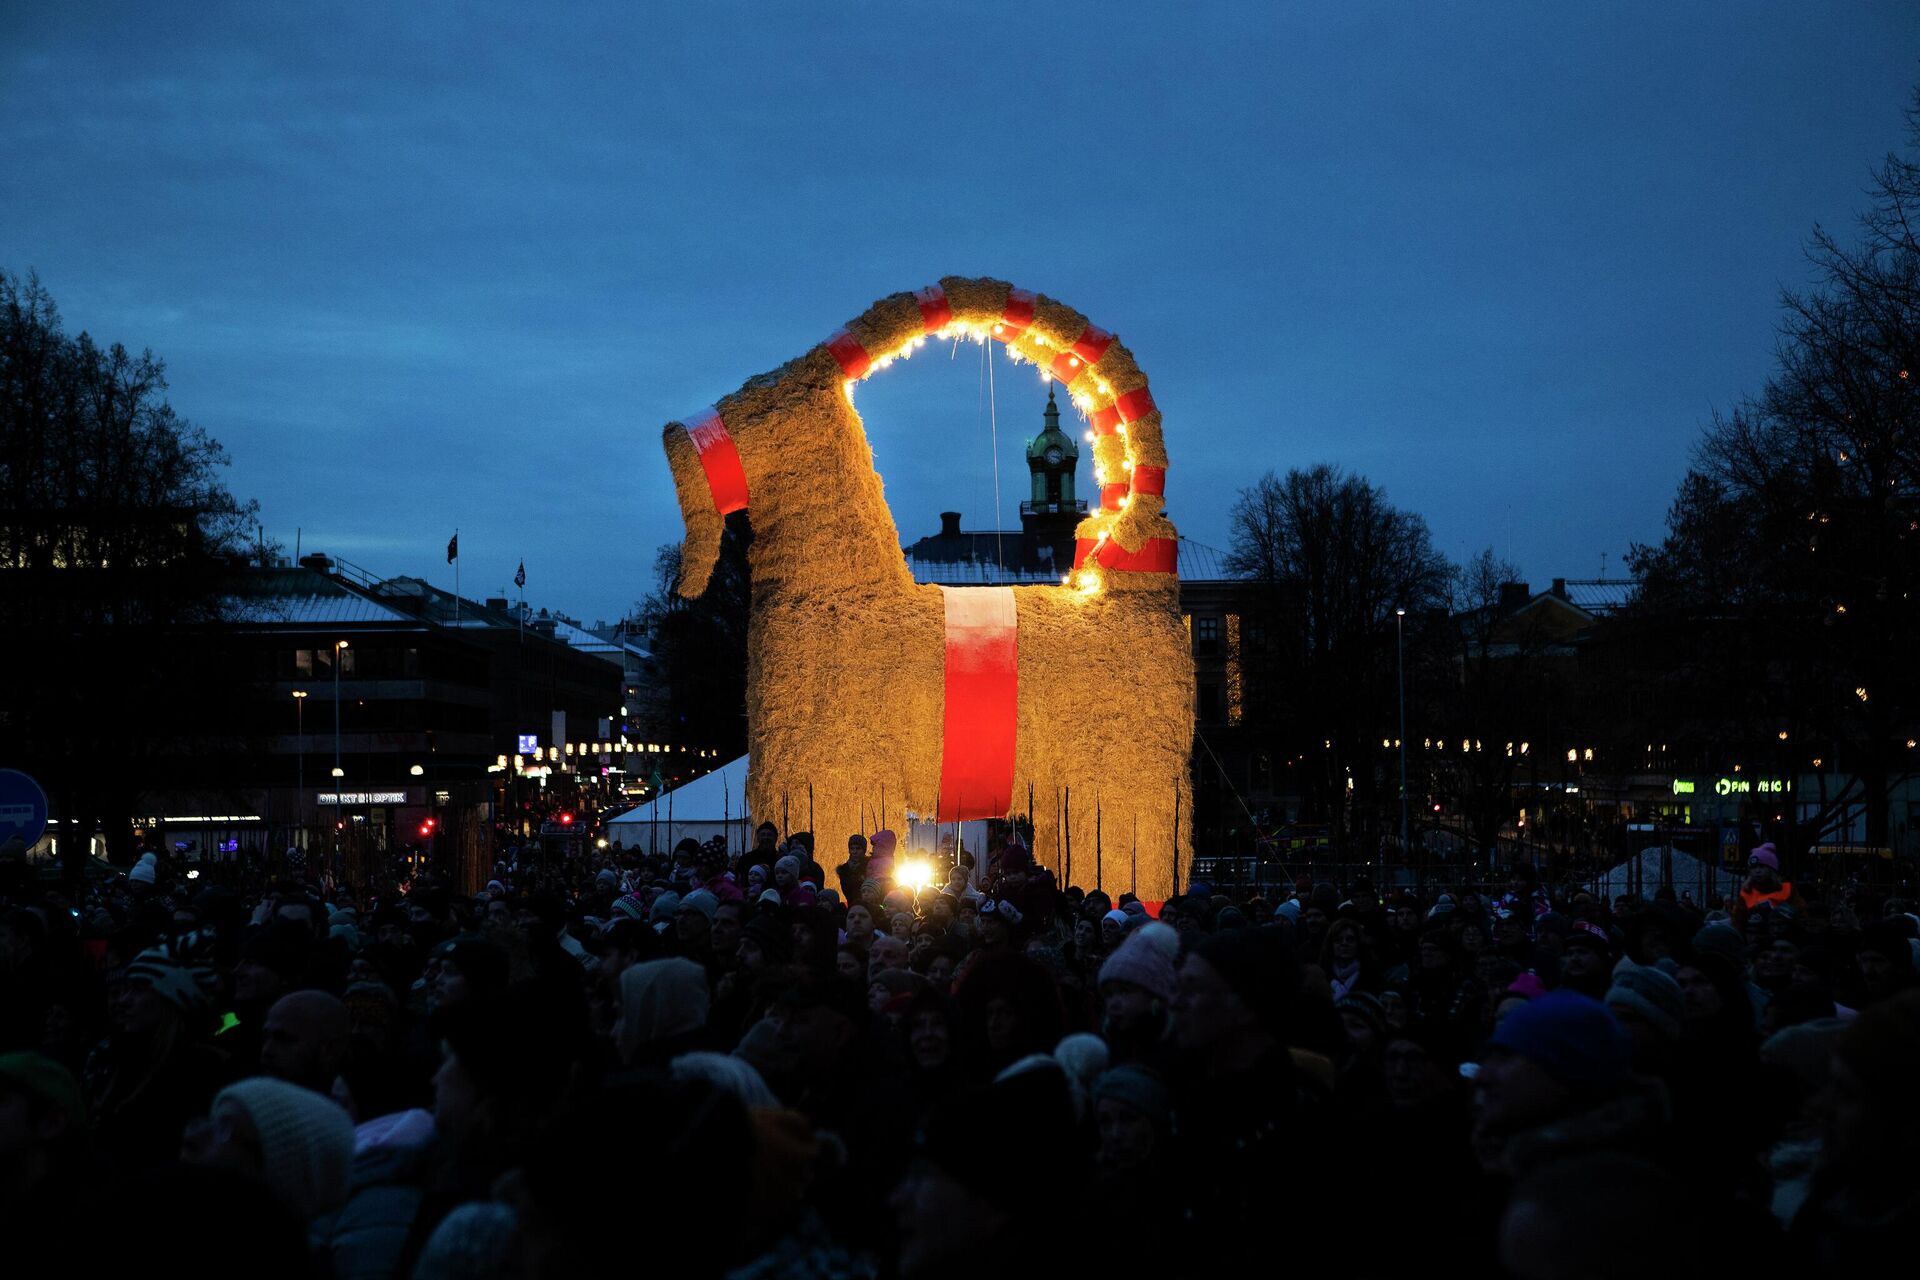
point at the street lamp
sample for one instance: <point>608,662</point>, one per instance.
<point>339,651</point>
<point>339,648</point>
<point>300,753</point>
<point>1400,672</point>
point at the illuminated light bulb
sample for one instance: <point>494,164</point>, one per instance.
<point>999,328</point>
<point>1073,362</point>
<point>1127,465</point>
<point>1120,430</point>
<point>1089,437</point>
<point>1124,501</point>
<point>1067,581</point>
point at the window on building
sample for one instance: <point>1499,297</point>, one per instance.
<point>1209,702</point>
<point>1206,635</point>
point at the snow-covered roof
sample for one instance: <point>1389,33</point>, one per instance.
<point>1198,563</point>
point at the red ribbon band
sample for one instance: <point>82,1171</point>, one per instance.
<point>1083,355</point>
<point>1110,495</point>
<point>853,358</point>
<point>981,718</point>
<point>1150,480</point>
<point>936,313</point>
<point>1015,316</point>
<point>720,459</point>
<point>1105,420</point>
<point>1135,405</point>
<point>1157,555</point>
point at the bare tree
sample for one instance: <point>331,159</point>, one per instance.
<point>116,539</point>
<point>1334,559</point>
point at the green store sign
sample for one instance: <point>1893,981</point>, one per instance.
<point>1733,786</point>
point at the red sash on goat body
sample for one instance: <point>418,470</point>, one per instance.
<point>982,703</point>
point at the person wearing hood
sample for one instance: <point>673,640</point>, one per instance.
<point>663,1011</point>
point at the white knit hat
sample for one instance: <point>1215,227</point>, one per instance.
<point>306,1142</point>
<point>145,870</point>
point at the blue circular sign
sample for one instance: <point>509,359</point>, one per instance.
<point>23,808</point>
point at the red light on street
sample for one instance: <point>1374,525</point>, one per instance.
<point>566,819</point>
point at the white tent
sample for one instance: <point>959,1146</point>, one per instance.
<point>715,804</point>
<point>711,805</point>
<point>1655,867</point>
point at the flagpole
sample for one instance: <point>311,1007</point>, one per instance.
<point>456,578</point>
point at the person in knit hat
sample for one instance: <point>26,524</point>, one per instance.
<point>305,1040</point>
<point>43,1126</point>
<point>145,873</point>
<point>1557,1056</point>
<point>660,914</point>
<point>693,925</point>
<point>1586,964</point>
<point>766,940</point>
<point>154,1073</point>
<point>1651,1006</point>
<point>1135,989</point>
<point>1765,888</point>
<point>1132,1109</point>
<point>300,1143</point>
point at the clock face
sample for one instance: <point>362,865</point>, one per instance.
<point>1054,455</point>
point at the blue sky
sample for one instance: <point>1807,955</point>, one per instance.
<point>433,265</point>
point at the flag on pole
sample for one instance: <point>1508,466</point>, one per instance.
<point>453,547</point>
<point>520,577</point>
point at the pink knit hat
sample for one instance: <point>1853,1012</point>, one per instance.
<point>1764,856</point>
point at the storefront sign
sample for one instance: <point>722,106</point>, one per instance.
<point>361,797</point>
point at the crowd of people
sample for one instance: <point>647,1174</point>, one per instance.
<point>747,1065</point>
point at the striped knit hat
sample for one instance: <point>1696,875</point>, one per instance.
<point>176,974</point>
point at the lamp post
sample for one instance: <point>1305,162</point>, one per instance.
<point>339,650</point>
<point>339,774</point>
<point>300,754</point>
<point>1400,673</point>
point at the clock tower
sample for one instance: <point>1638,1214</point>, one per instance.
<point>1048,518</point>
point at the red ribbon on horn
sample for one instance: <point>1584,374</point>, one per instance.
<point>1015,316</point>
<point>1083,355</point>
<point>853,358</point>
<point>720,458</point>
<point>936,312</point>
